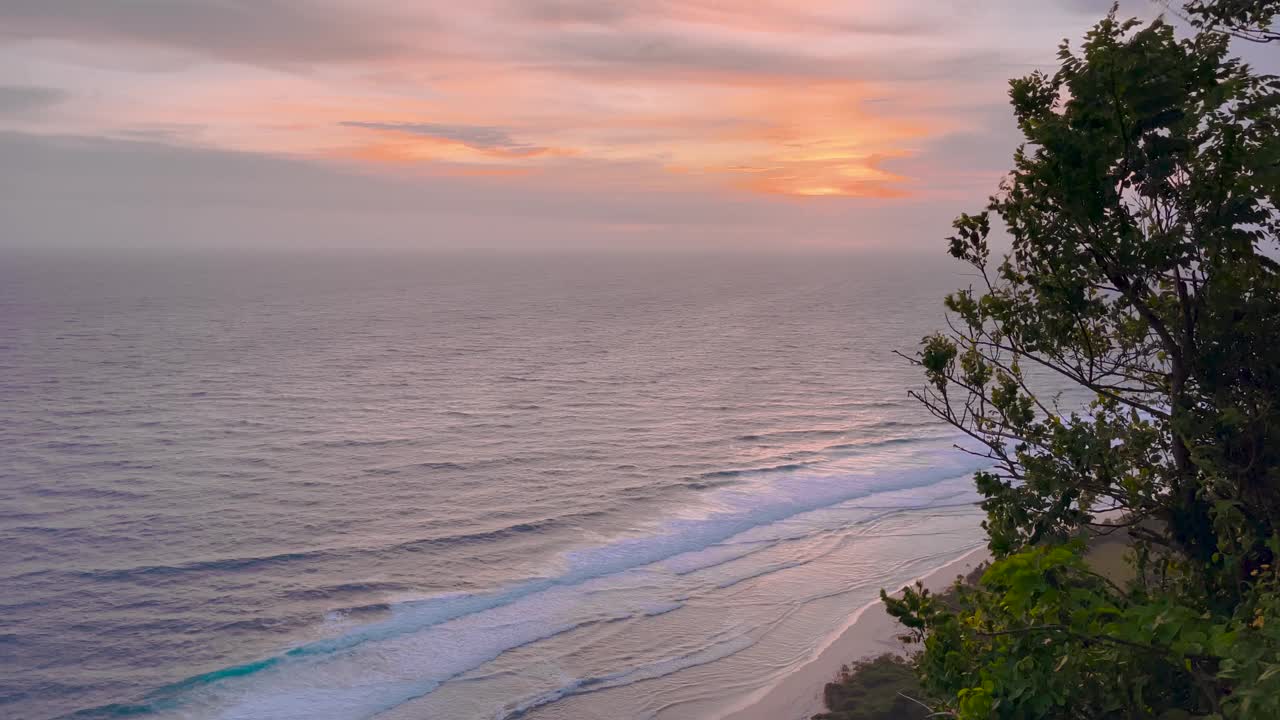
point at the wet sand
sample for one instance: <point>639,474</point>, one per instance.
<point>868,632</point>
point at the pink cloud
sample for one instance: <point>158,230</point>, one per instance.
<point>800,98</point>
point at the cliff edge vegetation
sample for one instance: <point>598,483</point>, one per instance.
<point>1141,223</point>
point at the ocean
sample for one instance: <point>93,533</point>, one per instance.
<point>414,486</point>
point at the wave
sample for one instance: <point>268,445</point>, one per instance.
<point>353,588</point>
<point>650,671</point>
<point>767,570</point>
<point>388,695</point>
<point>861,429</point>
<point>753,471</point>
<point>792,435</point>
<point>89,493</point>
<point>352,443</point>
<point>503,533</point>
<point>531,610</point>
<point>881,443</point>
<point>719,554</point>
<point>234,564</point>
<point>416,466</point>
<point>812,458</point>
<point>221,564</point>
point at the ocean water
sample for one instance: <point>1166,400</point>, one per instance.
<point>454,487</point>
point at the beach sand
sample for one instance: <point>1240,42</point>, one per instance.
<point>869,632</point>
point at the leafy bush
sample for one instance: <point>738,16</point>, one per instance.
<point>883,688</point>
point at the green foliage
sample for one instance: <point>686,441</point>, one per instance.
<point>883,688</point>
<point>1041,636</point>
<point>1245,19</point>
<point>1142,219</point>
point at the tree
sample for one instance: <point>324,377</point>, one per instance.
<point>1245,19</point>
<point>1142,219</point>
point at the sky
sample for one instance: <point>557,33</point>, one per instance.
<point>630,124</point>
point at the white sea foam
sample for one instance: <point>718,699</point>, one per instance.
<point>639,578</point>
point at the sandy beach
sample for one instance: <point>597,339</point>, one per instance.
<point>868,632</point>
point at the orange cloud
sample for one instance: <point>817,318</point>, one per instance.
<point>775,98</point>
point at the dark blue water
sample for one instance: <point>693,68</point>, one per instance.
<point>352,486</point>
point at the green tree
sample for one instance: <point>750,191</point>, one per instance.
<point>1245,19</point>
<point>1142,220</point>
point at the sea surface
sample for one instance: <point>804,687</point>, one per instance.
<point>445,487</point>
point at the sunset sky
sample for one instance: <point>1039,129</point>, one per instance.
<point>776,123</point>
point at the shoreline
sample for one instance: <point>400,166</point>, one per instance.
<point>867,632</point>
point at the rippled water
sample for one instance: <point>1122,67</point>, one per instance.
<point>454,487</point>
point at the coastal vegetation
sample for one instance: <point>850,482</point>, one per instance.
<point>881,688</point>
<point>1141,219</point>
